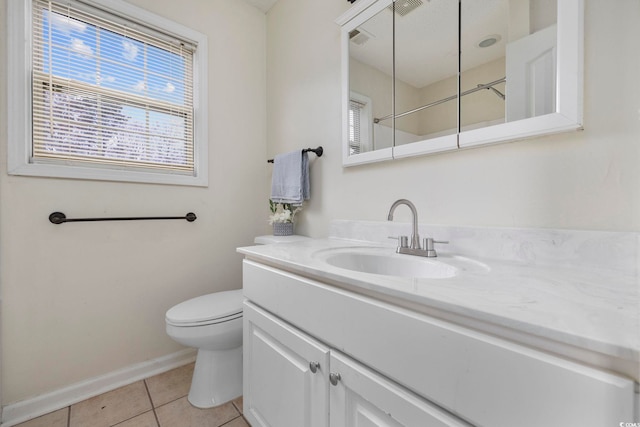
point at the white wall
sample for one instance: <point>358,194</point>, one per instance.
<point>85,299</point>
<point>81,300</point>
<point>581,180</point>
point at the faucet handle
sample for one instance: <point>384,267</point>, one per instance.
<point>403,241</point>
<point>428,246</point>
<point>428,242</point>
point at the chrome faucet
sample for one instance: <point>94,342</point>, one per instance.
<point>414,248</point>
<point>415,238</point>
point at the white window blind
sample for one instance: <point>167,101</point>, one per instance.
<point>355,112</point>
<point>109,92</point>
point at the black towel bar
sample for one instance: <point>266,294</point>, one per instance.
<point>318,152</point>
<point>59,218</point>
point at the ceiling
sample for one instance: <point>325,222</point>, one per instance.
<point>263,5</point>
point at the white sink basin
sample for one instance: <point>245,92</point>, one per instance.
<point>384,261</point>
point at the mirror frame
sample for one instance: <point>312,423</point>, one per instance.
<point>569,93</point>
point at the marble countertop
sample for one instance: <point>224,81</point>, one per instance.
<point>594,310</point>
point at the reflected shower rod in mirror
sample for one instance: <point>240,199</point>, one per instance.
<point>318,152</point>
<point>450,98</point>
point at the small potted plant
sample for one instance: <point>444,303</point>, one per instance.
<point>282,217</point>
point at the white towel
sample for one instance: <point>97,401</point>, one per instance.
<point>290,179</point>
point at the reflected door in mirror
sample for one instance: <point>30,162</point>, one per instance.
<point>507,61</point>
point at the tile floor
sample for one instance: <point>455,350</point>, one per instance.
<point>159,401</point>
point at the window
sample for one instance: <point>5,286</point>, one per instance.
<point>110,95</point>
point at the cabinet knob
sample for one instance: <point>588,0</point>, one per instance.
<point>334,378</point>
<point>314,366</point>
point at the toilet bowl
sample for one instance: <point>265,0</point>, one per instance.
<point>211,323</point>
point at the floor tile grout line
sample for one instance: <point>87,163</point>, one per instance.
<point>137,415</point>
<point>129,419</point>
<point>155,415</point>
<point>231,420</point>
<point>146,387</point>
<point>153,406</point>
<point>171,401</point>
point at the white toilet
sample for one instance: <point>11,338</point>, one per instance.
<point>213,324</point>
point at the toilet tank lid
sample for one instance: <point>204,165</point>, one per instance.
<point>206,307</point>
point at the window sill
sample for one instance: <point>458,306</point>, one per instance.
<point>99,174</point>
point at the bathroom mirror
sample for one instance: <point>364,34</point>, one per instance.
<point>368,86</point>
<point>405,66</point>
<point>507,40</point>
<point>514,72</point>
<point>482,60</point>
<point>371,83</point>
<point>426,70</point>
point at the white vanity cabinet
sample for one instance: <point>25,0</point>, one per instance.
<point>290,378</point>
<point>285,373</point>
<point>359,397</point>
<point>400,367</point>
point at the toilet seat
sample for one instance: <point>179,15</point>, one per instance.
<point>218,307</point>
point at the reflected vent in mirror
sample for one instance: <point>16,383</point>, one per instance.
<point>404,7</point>
<point>359,36</point>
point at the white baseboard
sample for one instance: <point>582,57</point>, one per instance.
<point>31,408</point>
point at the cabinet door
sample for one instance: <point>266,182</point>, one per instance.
<point>363,398</point>
<point>281,388</point>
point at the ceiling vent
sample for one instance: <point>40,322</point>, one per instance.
<point>404,7</point>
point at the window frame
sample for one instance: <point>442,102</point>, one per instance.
<point>19,108</point>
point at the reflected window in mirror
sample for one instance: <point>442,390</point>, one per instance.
<point>359,124</point>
